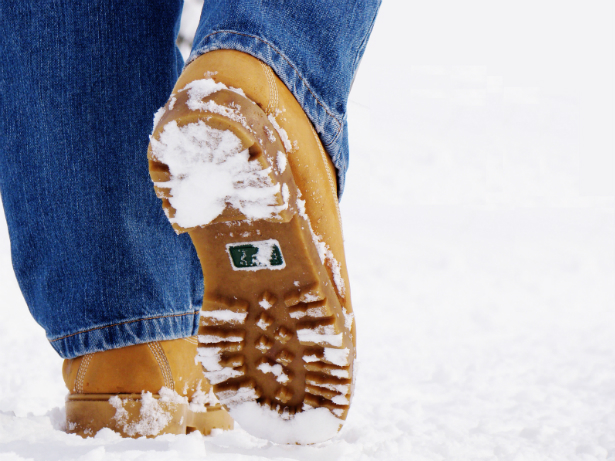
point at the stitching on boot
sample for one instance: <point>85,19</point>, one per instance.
<point>83,368</point>
<point>269,102</point>
<point>273,89</point>
<point>163,363</point>
<point>276,96</point>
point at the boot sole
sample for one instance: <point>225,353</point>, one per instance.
<point>273,336</point>
<point>89,413</point>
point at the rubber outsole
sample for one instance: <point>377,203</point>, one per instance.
<point>272,329</point>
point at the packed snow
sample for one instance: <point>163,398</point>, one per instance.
<point>305,427</point>
<point>210,169</point>
<point>281,133</point>
<point>324,335</point>
<point>154,415</point>
<point>324,252</point>
<point>224,316</point>
<point>282,162</point>
<point>480,245</point>
<point>276,370</point>
<point>265,304</point>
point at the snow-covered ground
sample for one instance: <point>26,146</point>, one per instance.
<point>481,242</point>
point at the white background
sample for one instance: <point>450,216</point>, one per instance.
<point>479,217</point>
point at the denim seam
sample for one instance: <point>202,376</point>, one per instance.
<point>124,323</point>
<point>364,41</point>
<point>303,81</point>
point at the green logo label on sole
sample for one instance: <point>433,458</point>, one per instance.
<point>253,256</point>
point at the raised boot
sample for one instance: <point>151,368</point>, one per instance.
<point>144,390</point>
<point>239,167</point>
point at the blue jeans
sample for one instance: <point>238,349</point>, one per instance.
<point>96,260</point>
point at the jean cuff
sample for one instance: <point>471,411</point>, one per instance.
<point>331,127</point>
<point>127,333</point>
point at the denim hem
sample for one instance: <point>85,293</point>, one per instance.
<point>329,125</point>
<point>127,333</point>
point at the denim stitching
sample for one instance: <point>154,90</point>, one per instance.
<point>364,41</point>
<point>123,323</point>
<point>340,124</point>
<point>337,135</point>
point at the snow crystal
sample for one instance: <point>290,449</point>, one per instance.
<point>213,400</point>
<point>269,134</point>
<point>208,352</point>
<point>209,357</point>
<point>212,339</point>
<point>201,400</point>
<point>281,133</point>
<point>281,161</point>
<point>210,362</point>
<point>225,316</point>
<point>310,358</point>
<point>311,336</point>
<point>237,90</point>
<point>265,250</point>
<point>265,304</point>
<point>310,298</point>
<point>341,388</point>
<point>218,376</point>
<point>232,397</point>
<point>336,270</point>
<point>154,414</point>
<point>324,252</point>
<point>170,396</point>
<point>340,400</point>
<point>285,194</point>
<point>200,89</point>
<point>348,318</point>
<point>310,312</point>
<point>157,116</point>
<point>338,357</point>
<point>340,373</point>
<point>276,370</point>
<point>120,413</point>
<point>323,330</point>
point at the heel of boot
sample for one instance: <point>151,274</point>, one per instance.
<point>132,415</point>
<point>219,159</point>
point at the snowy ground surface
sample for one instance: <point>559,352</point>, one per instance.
<point>480,237</point>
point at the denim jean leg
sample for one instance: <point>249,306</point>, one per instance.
<point>314,46</point>
<point>96,260</point>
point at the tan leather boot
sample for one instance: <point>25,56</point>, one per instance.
<point>144,390</point>
<point>239,167</point>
